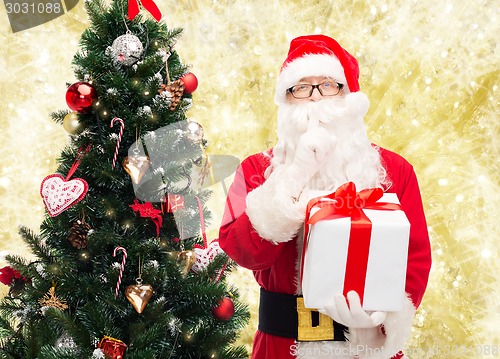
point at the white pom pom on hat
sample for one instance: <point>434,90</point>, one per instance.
<point>317,55</point>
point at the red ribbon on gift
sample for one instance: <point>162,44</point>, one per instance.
<point>346,202</point>
<point>149,5</point>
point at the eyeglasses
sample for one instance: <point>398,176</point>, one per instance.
<point>327,88</point>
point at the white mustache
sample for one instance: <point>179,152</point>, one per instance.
<point>311,115</point>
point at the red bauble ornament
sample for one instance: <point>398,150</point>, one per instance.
<point>80,96</point>
<point>112,348</point>
<point>224,310</point>
<point>190,82</point>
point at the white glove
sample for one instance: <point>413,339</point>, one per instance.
<point>352,315</point>
<point>312,148</point>
<point>276,209</point>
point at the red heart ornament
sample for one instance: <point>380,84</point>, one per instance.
<point>59,195</point>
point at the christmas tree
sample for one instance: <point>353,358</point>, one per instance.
<point>123,267</point>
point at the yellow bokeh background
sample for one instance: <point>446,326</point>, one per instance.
<point>430,69</point>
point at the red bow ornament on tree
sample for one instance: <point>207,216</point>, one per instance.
<point>146,210</point>
<point>8,275</point>
<point>149,5</point>
<point>12,278</point>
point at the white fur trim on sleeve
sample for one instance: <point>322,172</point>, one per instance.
<point>273,213</point>
<point>274,209</point>
<point>372,343</point>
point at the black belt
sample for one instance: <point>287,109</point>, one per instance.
<point>284,315</point>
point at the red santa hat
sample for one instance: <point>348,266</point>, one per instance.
<point>317,55</point>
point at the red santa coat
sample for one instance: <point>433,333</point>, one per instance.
<point>274,265</point>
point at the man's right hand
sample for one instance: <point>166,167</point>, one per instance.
<point>312,149</point>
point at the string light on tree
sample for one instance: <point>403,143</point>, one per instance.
<point>84,256</point>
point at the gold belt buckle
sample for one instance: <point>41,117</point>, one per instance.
<point>306,332</point>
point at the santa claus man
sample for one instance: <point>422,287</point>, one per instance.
<point>322,144</point>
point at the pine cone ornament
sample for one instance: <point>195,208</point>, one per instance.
<point>78,234</point>
<point>172,92</point>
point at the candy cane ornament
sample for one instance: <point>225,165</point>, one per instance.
<point>120,134</point>
<point>122,267</point>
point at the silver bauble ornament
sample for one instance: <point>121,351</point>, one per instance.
<point>194,131</point>
<point>65,342</point>
<point>127,49</point>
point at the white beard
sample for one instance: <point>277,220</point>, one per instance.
<point>353,159</point>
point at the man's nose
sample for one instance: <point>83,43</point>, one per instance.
<point>316,95</point>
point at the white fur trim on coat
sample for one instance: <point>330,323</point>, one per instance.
<point>309,65</point>
<point>273,209</point>
<point>374,344</point>
<point>358,104</point>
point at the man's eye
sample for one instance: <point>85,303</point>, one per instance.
<point>328,84</point>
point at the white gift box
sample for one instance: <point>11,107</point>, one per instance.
<point>325,259</point>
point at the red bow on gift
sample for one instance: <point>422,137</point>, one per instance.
<point>149,5</point>
<point>346,202</point>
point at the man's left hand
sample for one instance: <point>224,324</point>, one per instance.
<point>350,313</point>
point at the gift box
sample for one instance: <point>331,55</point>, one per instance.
<point>112,348</point>
<point>355,241</point>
